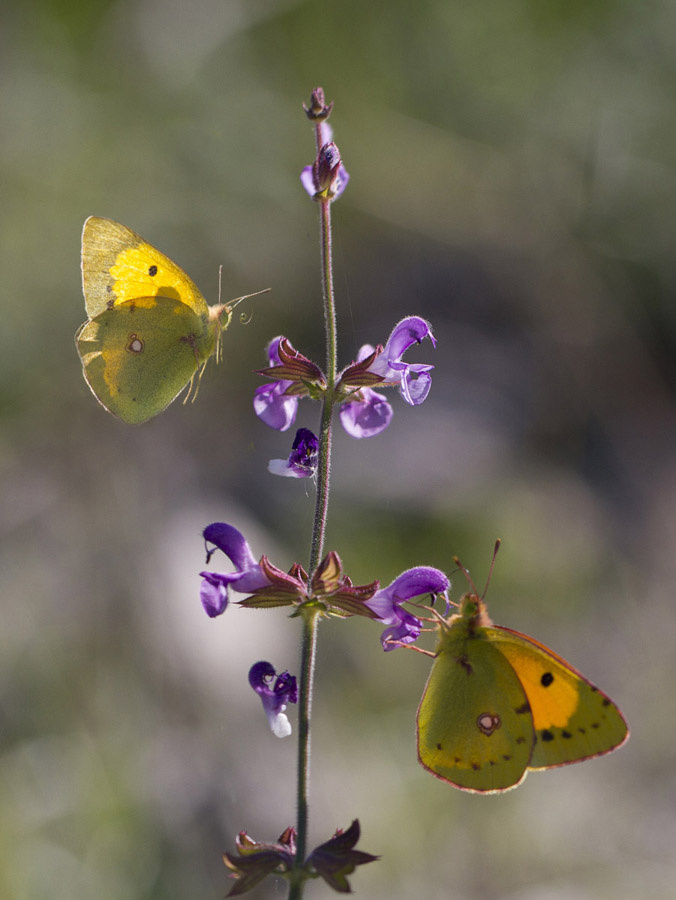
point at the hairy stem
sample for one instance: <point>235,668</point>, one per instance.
<point>311,618</point>
<point>308,651</point>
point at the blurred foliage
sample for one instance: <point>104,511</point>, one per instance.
<point>513,181</point>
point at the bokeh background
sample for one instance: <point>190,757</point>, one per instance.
<point>513,181</point>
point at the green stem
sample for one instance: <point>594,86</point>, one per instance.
<point>308,652</point>
<point>311,616</point>
<point>324,455</point>
<point>323,478</point>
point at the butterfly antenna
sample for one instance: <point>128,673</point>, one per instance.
<point>466,573</point>
<point>231,304</point>
<point>492,566</point>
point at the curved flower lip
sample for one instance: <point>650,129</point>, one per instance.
<point>247,577</point>
<point>387,603</point>
<point>271,403</point>
<point>276,697</point>
<point>302,461</point>
<point>413,379</point>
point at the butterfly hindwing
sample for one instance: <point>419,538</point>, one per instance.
<point>475,729</point>
<point>140,354</point>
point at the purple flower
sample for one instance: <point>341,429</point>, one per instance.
<point>302,462</point>
<point>275,697</point>
<point>414,379</point>
<point>367,412</point>
<point>367,415</point>
<point>247,577</point>
<point>327,177</point>
<point>364,412</point>
<point>387,603</point>
<point>271,404</point>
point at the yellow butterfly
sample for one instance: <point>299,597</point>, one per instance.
<point>150,330</point>
<point>498,703</point>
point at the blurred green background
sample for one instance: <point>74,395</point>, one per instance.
<point>513,181</point>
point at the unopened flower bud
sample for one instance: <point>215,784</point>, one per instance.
<point>318,110</point>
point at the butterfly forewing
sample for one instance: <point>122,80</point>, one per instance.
<point>573,719</point>
<point>118,265</point>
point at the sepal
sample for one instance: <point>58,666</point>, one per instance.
<point>294,367</point>
<point>257,860</point>
<point>336,859</point>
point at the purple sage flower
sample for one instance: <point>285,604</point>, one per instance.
<point>270,402</point>
<point>247,577</point>
<point>302,462</point>
<point>369,412</point>
<point>387,603</point>
<point>414,379</point>
<point>275,697</point>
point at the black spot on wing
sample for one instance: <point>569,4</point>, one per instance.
<point>546,679</point>
<point>466,664</point>
<point>152,270</point>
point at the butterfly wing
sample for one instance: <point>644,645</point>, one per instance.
<point>118,265</point>
<point>475,729</point>
<point>573,719</point>
<point>140,354</point>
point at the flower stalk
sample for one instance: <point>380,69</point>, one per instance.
<point>324,590</point>
<point>307,668</point>
<point>311,618</point>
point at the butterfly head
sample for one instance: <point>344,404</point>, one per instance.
<point>220,317</point>
<point>472,612</point>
